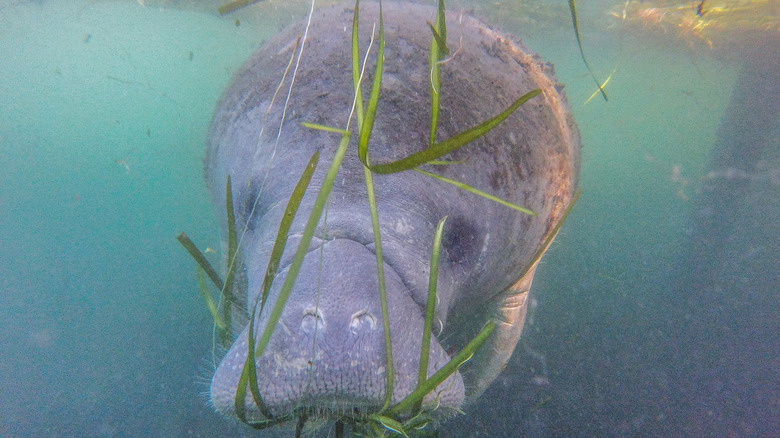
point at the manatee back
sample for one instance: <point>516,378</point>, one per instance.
<point>531,159</point>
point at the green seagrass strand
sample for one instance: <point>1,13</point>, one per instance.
<point>437,51</point>
<point>444,147</point>
<point>249,372</point>
<point>430,308</point>
<point>444,372</point>
<point>303,245</point>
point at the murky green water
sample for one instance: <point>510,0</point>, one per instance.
<point>104,112</point>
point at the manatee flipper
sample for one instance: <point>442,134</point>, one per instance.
<point>509,315</point>
<point>507,310</point>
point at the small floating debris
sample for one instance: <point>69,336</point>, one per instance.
<point>123,163</point>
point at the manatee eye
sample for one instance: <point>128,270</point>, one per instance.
<point>361,321</point>
<point>463,241</point>
<point>312,318</point>
<point>249,197</point>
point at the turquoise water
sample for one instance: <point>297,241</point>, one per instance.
<point>105,110</point>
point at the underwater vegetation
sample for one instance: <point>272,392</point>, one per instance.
<point>412,413</point>
<point>716,23</point>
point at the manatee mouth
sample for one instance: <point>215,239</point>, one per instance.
<point>326,360</point>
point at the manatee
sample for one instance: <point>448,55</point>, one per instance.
<point>326,359</point>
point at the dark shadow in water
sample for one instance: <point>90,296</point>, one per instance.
<point>727,345</point>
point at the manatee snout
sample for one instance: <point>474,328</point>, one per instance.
<point>327,354</point>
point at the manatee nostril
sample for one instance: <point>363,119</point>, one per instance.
<point>312,320</point>
<point>362,321</point>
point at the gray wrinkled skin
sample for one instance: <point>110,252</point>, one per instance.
<point>327,355</point>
